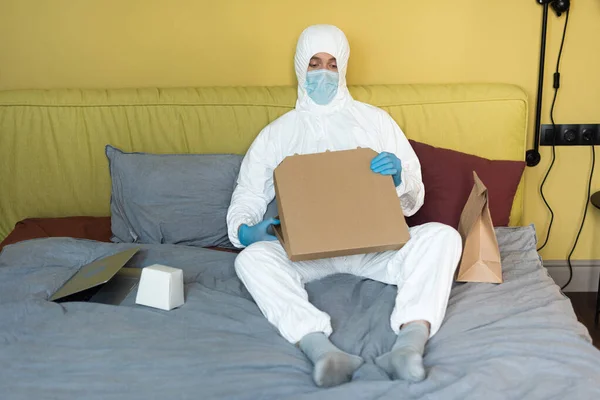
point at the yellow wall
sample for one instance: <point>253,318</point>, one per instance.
<point>140,43</point>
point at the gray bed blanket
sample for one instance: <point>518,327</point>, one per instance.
<point>516,340</point>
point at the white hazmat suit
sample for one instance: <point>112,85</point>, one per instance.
<point>422,270</point>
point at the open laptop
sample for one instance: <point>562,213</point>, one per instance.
<point>102,281</point>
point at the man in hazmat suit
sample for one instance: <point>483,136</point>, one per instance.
<point>326,117</point>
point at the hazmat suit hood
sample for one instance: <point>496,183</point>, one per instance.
<point>322,39</point>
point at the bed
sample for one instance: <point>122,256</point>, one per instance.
<point>520,339</point>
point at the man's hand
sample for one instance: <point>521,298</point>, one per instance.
<point>257,233</point>
<point>388,164</point>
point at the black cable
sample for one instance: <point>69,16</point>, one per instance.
<point>546,177</point>
<point>587,203</point>
<point>554,133</point>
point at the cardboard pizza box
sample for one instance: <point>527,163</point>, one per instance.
<point>331,204</point>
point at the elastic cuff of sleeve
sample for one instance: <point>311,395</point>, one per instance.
<point>401,188</point>
<point>234,227</point>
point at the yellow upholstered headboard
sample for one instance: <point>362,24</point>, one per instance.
<point>52,160</point>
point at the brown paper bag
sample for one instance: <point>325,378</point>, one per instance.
<point>481,256</point>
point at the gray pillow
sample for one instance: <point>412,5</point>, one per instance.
<point>171,198</point>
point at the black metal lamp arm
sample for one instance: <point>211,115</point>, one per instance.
<point>532,157</point>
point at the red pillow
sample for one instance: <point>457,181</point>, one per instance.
<point>448,180</point>
<point>81,227</point>
<point>92,228</point>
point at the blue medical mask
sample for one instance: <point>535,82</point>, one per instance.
<point>321,85</point>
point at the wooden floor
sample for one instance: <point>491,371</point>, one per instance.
<point>584,304</point>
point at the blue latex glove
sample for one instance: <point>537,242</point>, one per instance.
<point>257,233</point>
<point>388,164</point>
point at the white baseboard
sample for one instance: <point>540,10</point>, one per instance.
<point>585,274</point>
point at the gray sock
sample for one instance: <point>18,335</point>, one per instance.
<point>405,360</point>
<point>332,366</point>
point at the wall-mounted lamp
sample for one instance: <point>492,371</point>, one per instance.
<point>532,157</point>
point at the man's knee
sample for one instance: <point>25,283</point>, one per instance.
<point>449,235</point>
<point>440,233</point>
<point>256,255</point>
